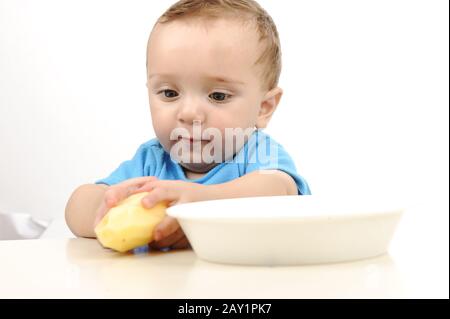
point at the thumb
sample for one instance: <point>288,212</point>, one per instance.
<point>101,212</point>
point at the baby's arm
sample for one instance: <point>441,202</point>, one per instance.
<point>89,203</point>
<point>82,207</point>
<point>258,183</point>
<point>86,201</point>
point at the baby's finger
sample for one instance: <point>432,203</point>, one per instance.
<point>160,194</point>
<point>114,195</point>
<point>121,191</point>
<point>183,243</point>
<point>147,187</point>
<point>169,240</point>
<point>138,181</point>
<point>166,227</point>
<point>101,212</point>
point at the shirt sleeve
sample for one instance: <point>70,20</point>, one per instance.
<point>134,167</point>
<point>264,153</point>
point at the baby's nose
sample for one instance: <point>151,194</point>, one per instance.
<point>188,114</point>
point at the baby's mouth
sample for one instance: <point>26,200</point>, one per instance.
<point>191,140</point>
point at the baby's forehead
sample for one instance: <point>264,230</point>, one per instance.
<point>231,35</point>
<point>237,26</point>
<point>221,45</point>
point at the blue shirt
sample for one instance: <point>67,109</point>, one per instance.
<point>260,152</point>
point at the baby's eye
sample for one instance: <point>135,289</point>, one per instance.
<point>169,93</point>
<point>219,96</point>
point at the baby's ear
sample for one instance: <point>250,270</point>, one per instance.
<point>268,106</point>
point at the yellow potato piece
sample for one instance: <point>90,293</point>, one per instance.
<point>129,225</point>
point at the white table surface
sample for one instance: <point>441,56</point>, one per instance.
<point>417,266</point>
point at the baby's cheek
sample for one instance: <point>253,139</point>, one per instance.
<point>163,131</point>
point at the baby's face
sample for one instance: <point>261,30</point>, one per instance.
<point>204,73</point>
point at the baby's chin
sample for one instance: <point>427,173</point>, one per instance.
<point>192,160</point>
<point>199,167</point>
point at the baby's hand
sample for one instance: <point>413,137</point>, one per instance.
<point>169,233</point>
<point>116,193</point>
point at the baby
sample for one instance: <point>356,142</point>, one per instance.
<point>212,73</point>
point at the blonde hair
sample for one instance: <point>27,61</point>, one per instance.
<point>270,58</point>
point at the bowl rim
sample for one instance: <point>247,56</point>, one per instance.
<point>179,212</point>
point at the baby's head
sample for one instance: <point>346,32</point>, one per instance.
<point>213,64</point>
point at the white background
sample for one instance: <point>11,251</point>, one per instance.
<point>365,107</point>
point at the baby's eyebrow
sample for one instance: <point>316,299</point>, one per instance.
<point>213,78</point>
<point>224,80</point>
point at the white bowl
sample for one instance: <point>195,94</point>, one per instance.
<point>288,230</point>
